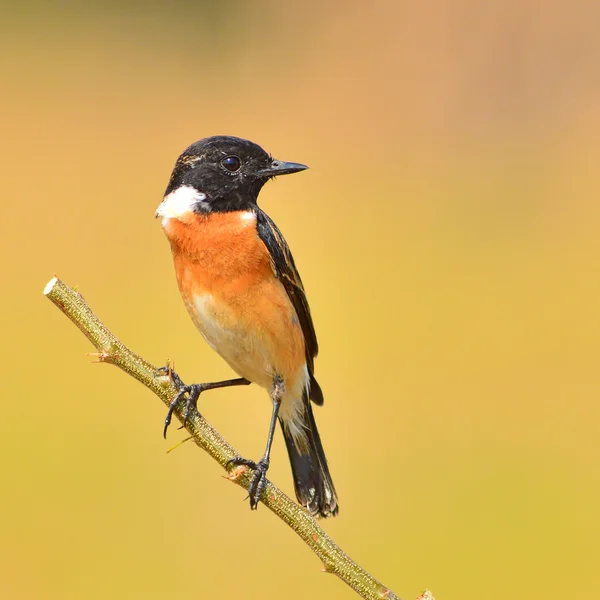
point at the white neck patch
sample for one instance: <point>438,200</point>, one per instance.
<point>248,217</point>
<point>181,202</point>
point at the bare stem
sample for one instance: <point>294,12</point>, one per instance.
<point>111,350</point>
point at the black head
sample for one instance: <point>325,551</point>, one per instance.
<point>227,173</point>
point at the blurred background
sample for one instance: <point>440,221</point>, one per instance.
<point>447,234</point>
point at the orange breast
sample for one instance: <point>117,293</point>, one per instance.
<point>220,249</point>
<point>227,281</point>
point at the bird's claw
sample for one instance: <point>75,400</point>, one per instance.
<point>259,477</point>
<point>193,393</point>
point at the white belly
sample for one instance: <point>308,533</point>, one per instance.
<point>240,350</point>
<point>250,357</point>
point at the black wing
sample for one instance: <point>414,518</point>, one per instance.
<point>286,272</point>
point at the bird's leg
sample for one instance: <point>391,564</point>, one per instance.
<point>193,393</point>
<point>259,479</point>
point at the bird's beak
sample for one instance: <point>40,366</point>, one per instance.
<point>279,167</point>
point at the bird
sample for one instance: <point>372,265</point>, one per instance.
<point>241,287</point>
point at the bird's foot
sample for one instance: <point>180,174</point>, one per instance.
<point>192,391</point>
<point>259,477</point>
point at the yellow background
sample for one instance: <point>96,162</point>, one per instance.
<point>447,234</point>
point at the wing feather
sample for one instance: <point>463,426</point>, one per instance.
<point>286,271</point>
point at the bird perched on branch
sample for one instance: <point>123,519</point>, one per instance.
<point>241,287</point>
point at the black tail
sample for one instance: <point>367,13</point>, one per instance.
<point>314,488</point>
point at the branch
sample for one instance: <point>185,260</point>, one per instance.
<point>111,350</point>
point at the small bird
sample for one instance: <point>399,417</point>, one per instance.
<point>241,287</point>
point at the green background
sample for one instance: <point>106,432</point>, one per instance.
<point>447,234</point>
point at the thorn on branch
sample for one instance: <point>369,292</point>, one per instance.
<point>236,472</point>
<point>166,373</point>
<point>106,357</point>
<point>103,357</point>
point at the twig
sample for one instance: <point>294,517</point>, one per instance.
<point>111,350</point>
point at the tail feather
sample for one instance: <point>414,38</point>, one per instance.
<point>312,480</point>
<point>316,394</point>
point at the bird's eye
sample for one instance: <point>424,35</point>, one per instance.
<point>231,163</point>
